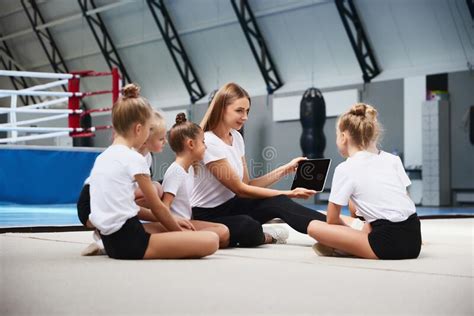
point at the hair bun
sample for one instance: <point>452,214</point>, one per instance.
<point>358,109</point>
<point>180,118</point>
<point>131,90</point>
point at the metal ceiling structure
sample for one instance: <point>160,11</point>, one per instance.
<point>102,37</point>
<point>175,47</point>
<point>257,44</point>
<point>358,38</point>
<point>44,36</point>
<point>298,34</point>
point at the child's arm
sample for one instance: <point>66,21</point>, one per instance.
<point>160,210</point>
<point>168,199</point>
<point>333,215</point>
<point>184,223</point>
<point>352,209</point>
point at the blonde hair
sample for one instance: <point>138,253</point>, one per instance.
<point>130,109</point>
<point>182,130</point>
<point>360,121</point>
<point>158,123</point>
<point>227,94</point>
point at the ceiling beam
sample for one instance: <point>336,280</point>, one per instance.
<point>257,44</point>
<point>175,47</point>
<point>103,38</point>
<point>45,37</point>
<point>358,38</point>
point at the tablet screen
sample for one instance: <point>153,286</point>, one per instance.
<point>311,174</point>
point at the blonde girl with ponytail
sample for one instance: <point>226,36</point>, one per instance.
<point>374,183</point>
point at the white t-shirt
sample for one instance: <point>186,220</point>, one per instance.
<point>179,183</point>
<point>112,187</point>
<point>376,183</point>
<point>208,191</point>
<point>149,159</point>
<point>149,162</point>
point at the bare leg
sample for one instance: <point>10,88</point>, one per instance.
<point>154,228</point>
<point>182,245</point>
<point>220,229</point>
<point>342,238</point>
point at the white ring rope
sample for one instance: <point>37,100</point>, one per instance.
<point>40,111</point>
<point>45,103</point>
<point>32,137</point>
<point>8,93</point>
<point>38,120</point>
<point>30,74</point>
<point>13,126</point>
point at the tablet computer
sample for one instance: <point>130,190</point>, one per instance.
<point>311,174</point>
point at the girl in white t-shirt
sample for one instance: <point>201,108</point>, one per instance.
<point>112,186</point>
<point>154,144</point>
<point>186,139</point>
<point>375,183</point>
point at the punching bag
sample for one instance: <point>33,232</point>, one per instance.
<point>313,117</point>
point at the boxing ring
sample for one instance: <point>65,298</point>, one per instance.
<point>48,175</point>
<point>72,97</point>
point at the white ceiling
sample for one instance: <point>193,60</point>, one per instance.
<point>306,39</point>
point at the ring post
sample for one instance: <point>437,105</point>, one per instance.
<point>74,103</point>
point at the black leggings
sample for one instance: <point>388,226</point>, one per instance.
<point>244,217</point>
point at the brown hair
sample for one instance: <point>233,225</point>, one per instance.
<point>180,131</point>
<point>361,123</point>
<point>130,109</point>
<point>227,94</point>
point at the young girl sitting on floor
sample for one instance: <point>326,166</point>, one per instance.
<point>186,139</point>
<point>113,209</point>
<point>375,182</point>
<point>154,144</point>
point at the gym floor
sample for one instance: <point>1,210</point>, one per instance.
<point>44,274</point>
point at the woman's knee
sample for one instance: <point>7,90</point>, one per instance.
<point>250,232</point>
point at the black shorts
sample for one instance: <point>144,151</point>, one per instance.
<point>84,205</point>
<point>129,242</point>
<point>396,240</point>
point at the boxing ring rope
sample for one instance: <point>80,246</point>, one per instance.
<point>72,97</point>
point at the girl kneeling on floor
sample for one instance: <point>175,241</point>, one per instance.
<point>186,139</point>
<point>112,179</point>
<point>375,181</point>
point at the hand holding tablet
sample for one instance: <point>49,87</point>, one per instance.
<point>311,174</point>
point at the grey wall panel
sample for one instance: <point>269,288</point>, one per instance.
<point>462,151</point>
<point>387,97</point>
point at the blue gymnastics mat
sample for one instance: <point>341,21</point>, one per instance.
<point>18,215</point>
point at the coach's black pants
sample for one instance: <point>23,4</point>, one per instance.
<point>244,217</point>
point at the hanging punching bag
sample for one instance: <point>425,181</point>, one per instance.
<point>313,117</point>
